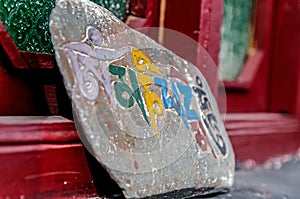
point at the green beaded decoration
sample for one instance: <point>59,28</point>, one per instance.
<point>118,7</point>
<point>235,36</point>
<point>27,21</point>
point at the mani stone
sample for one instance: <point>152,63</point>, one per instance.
<point>147,115</point>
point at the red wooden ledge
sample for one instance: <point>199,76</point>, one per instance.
<point>51,163</point>
<point>39,60</point>
<point>36,129</point>
<point>255,136</point>
<point>36,164</point>
<point>260,136</point>
<point>45,171</point>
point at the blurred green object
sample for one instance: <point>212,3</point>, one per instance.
<point>235,36</point>
<point>27,21</point>
<point>118,7</point>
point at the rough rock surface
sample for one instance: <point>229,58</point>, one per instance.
<point>147,115</point>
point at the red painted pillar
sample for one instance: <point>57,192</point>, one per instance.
<point>298,92</point>
<point>201,21</point>
<point>285,67</point>
<point>183,17</point>
<point>211,16</point>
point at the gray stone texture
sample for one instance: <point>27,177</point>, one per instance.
<point>153,140</point>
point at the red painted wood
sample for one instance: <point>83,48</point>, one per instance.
<point>211,16</point>
<point>35,170</point>
<point>260,136</point>
<point>36,129</point>
<point>138,8</point>
<point>23,94</point>
<point>248,74</point>
<point>39,60</point>
<point>298,93</point>
<point>254,96</point>
<point>50,95</point>
<point>41,157</point>
<point>200,21</point>
<point>30,151</point>
<point>184,18</point>
<point>152,13</point>
<point>10,49</point>
<point>17,96</point>
<point>261,123</point>
<point>263,147</point>
<point>45,171</point>
<point>285,67</point>
<point>151,19</point>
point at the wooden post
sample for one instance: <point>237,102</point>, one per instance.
<point>211,16</point>
<point>285,67</point>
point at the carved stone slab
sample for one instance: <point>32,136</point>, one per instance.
<point>147,115</point>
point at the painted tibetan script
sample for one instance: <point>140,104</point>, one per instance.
<point>141,84</point>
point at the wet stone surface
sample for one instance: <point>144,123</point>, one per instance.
<point>147,115</point>
<point>282,183</point>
